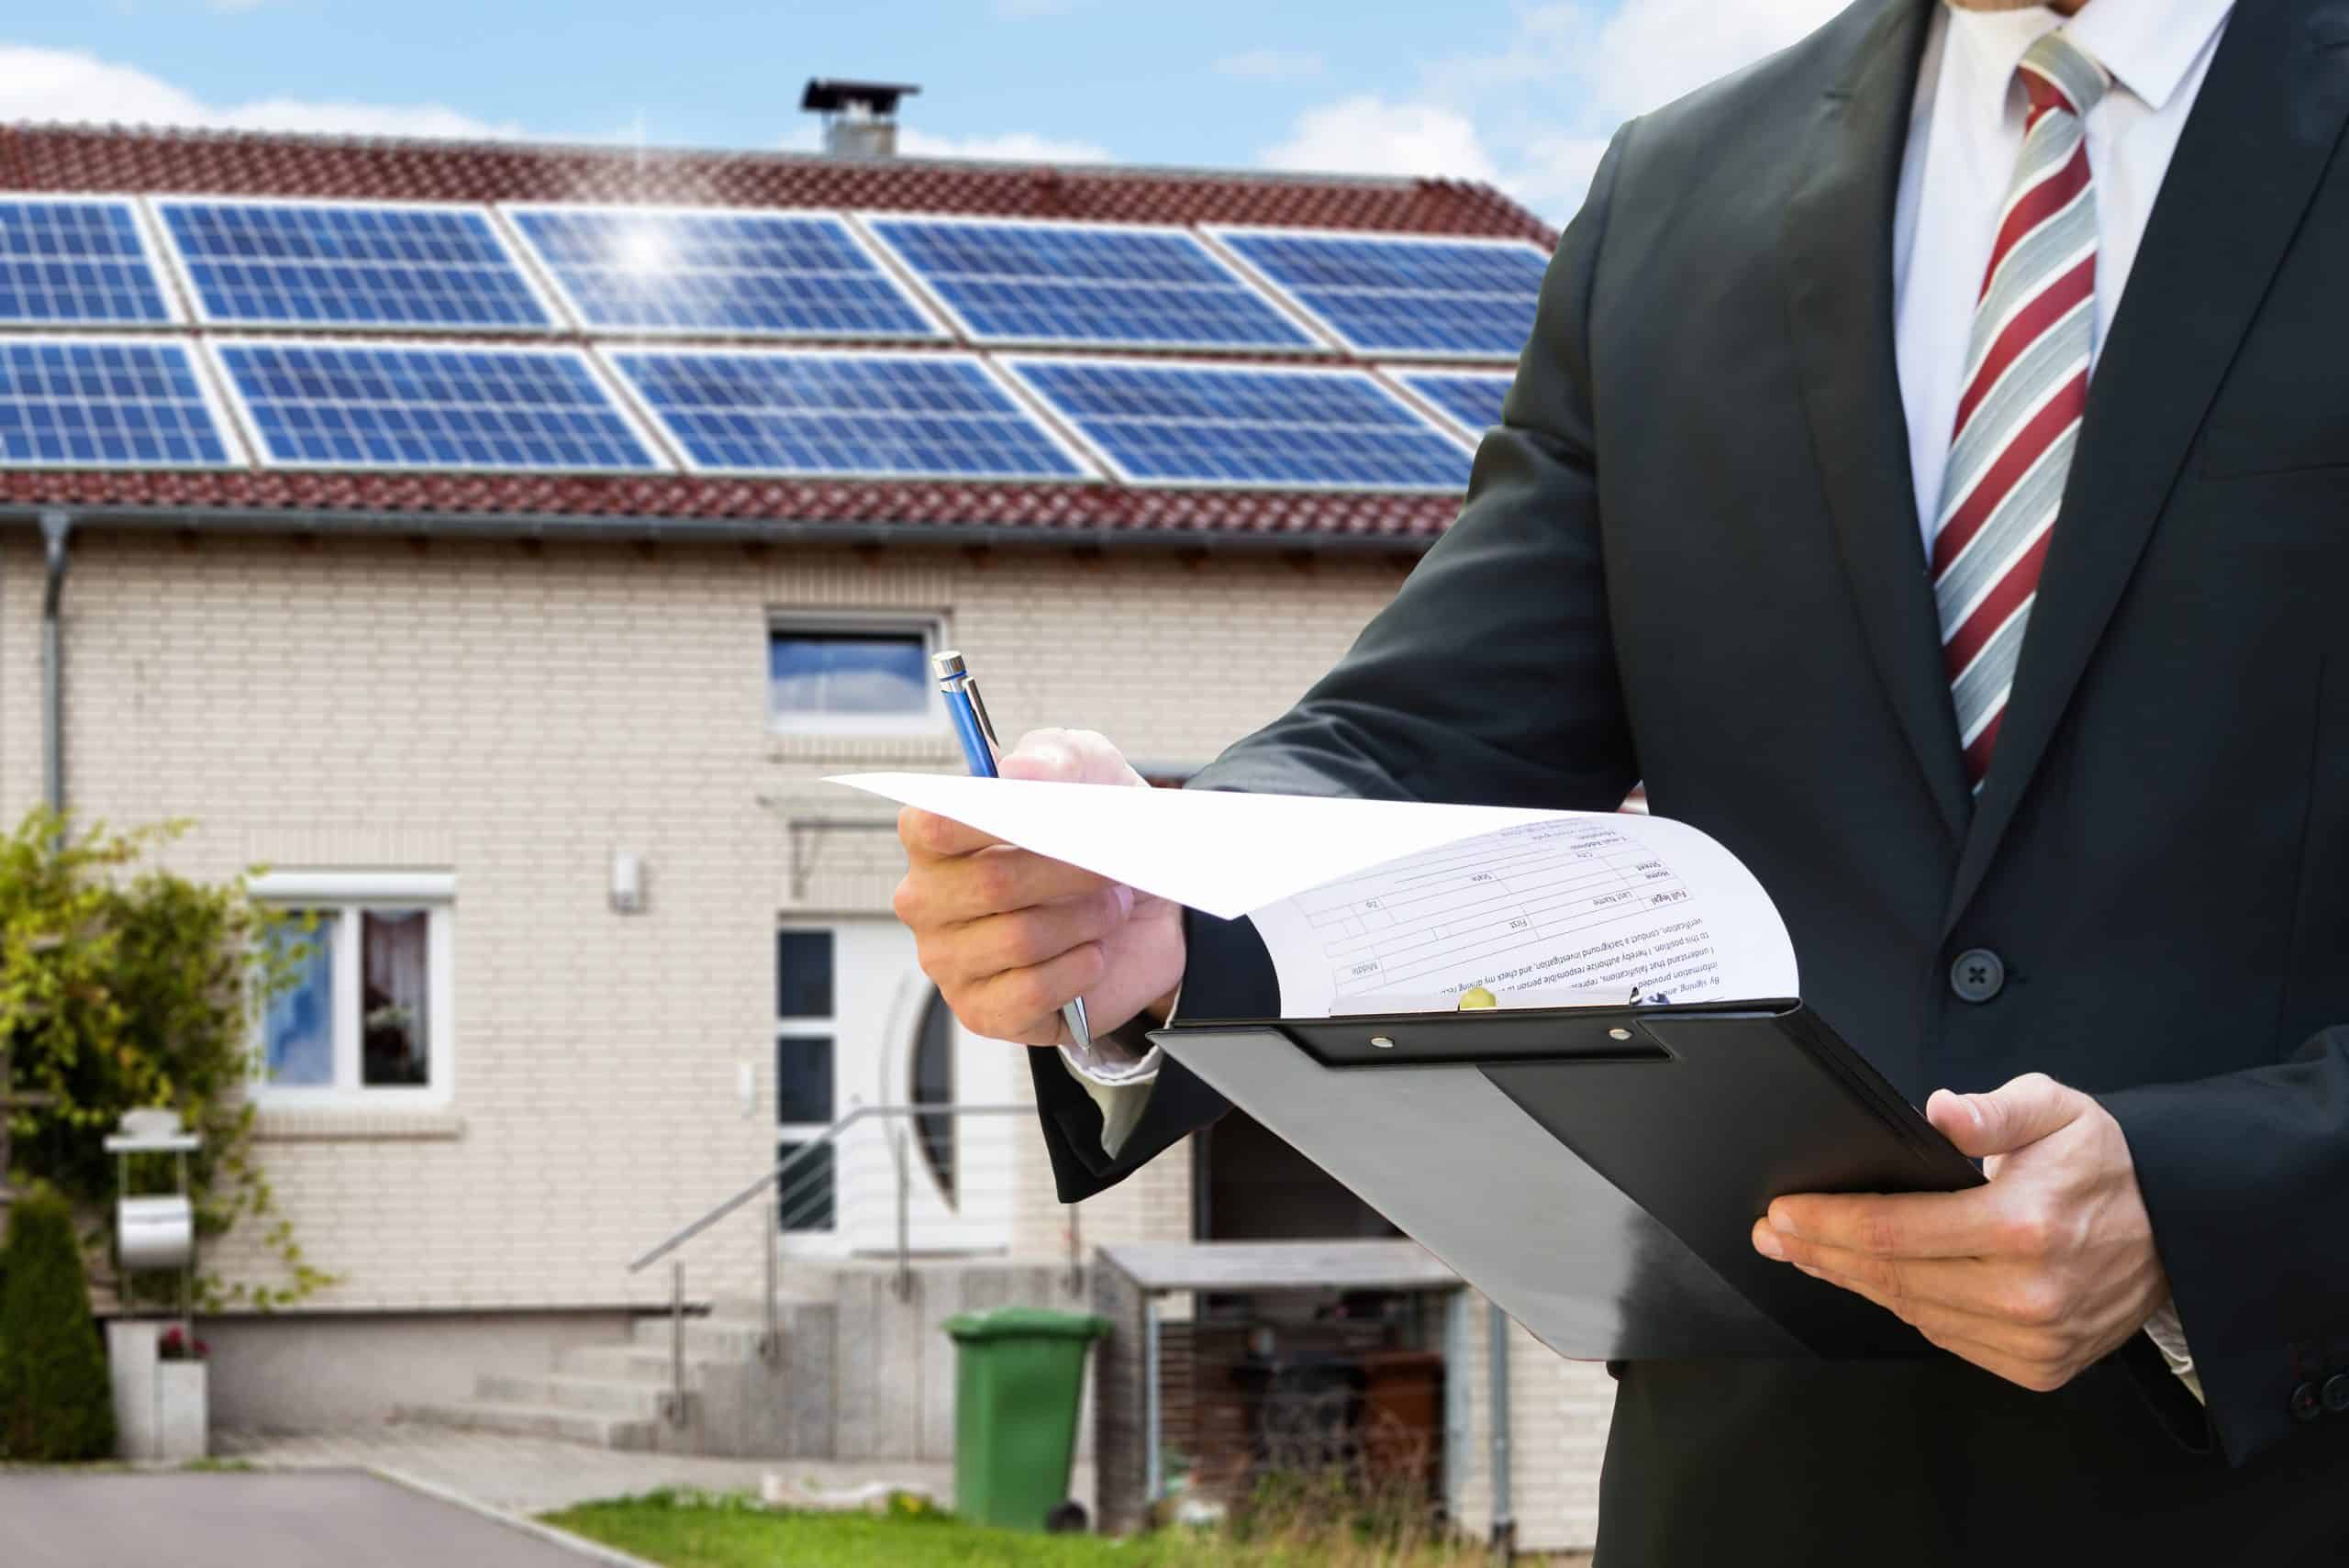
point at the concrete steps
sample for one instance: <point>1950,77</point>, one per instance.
<point>612,1396</point>
<point>705,1339</point>
<point>629,1363</point>
<point>594,1395</point>
<point>517,1419</point>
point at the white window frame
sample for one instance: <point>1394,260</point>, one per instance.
<point>931,629</point>
<point>340,898</point>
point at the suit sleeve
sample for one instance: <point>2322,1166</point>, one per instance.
<point>2228,1166</point>
<point>1489,679</point>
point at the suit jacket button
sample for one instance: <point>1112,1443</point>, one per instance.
<point>1979,975</point>
<point>2307,1403</point>
<point>2336,1393</point>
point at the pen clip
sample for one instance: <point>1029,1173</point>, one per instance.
<point>979,709</point>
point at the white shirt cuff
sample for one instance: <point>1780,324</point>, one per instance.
<point>1118,1081</point>
<point>2168,1335</point>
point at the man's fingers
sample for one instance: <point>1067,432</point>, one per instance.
<point>2035,1350</point>
<point>1895,1225</point>
<point>1023,1005</point>
<point>1964,1284</point>
<point>1025,937</point>
<point>2018,1112</point>
<point>928,836</point>
<point>992,882</point>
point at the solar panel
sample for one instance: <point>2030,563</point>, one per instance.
<point>1007,281</point>
<point>674,269</point>
<point>1473,397</point>
<point>1396,294</point>
<point>1161,422</point>
<point>348,264</point>
<point>430,406</point>
<point>776,411</point>
<point>108,403</point>
<point>78,259</point>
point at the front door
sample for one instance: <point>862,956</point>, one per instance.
<point>860,1027</point>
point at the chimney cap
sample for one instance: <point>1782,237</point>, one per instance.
<point>830,97</point>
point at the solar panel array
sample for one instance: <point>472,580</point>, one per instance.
<point>408,405</point>
<point>1403,294</point>
<point>317,393</point>
<point>1252,426</point>
<point>69,261</point>
<point>751,274</point>
<point>348,264</point>
<point>1079,285</point>
<point>107,403</point>
<point>1472,398</point>
<point>871,416</point>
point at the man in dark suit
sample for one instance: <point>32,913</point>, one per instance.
<point>1929,472</point>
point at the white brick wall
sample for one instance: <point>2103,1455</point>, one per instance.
<point>1559,1411</point>
<point>512,713</point>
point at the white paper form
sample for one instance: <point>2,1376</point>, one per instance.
<point>1579,901</point>
<point>1371,897</point>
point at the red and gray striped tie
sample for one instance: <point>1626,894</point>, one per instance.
<point>2026,387</point>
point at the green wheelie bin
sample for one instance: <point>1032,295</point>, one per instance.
<point>1017,1376</point>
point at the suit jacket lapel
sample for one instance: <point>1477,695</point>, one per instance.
<point>1836,252</point>
<point>2261,132</point>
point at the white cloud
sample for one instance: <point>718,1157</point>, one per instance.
<point>1009,146</point>
<point>1495,114</point>
<point>1653,52</point>
<point>1368,135</point>
<point>69,84</point>
<point>1270,66</point>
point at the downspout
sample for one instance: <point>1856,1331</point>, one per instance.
<point>1497,1418</point>
<point>56,528</point>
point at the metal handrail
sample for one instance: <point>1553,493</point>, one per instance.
<point>786,1204</point>
<point>825,1139</point>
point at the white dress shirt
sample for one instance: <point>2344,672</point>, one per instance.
<point>1966,132</point>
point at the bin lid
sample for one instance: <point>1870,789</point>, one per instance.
<point>1025,1323</point>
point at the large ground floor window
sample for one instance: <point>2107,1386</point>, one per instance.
<point>367,1019</point>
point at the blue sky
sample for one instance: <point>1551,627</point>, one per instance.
<point>1523,93</point>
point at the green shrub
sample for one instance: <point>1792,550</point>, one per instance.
<point>124,987</point>
<point>55,1400</point>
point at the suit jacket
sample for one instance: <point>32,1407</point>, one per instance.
<point>1690,555</point>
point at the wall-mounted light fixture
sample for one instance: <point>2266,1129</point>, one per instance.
<point>627,882</point>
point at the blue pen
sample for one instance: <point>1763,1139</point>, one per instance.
<point>977,731</point>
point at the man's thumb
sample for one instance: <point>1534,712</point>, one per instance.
<point>2020,1112</point>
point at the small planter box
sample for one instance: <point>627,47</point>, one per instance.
<point>161,1408</point>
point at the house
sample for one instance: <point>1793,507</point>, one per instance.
<point>544,747</point>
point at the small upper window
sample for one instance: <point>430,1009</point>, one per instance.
<point>841,679</point>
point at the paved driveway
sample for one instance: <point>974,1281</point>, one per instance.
<point>320,1518</point>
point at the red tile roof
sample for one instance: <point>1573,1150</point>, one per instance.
<point>101,158</point>
<point>81,157</point>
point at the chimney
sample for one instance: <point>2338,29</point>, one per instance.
<point>860,117</point>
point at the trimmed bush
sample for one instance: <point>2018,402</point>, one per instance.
<point>55,1400</point>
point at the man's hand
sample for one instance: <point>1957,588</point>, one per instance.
<point>1010,937</point>
<point>2036,1277</point>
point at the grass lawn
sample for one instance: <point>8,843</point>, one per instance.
<point>690,1531</point>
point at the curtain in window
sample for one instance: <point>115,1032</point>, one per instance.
<point>395,992</point>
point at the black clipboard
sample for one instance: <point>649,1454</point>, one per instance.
<point>1697,1116</point>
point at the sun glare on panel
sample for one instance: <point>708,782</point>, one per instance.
<point>645,250</point>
